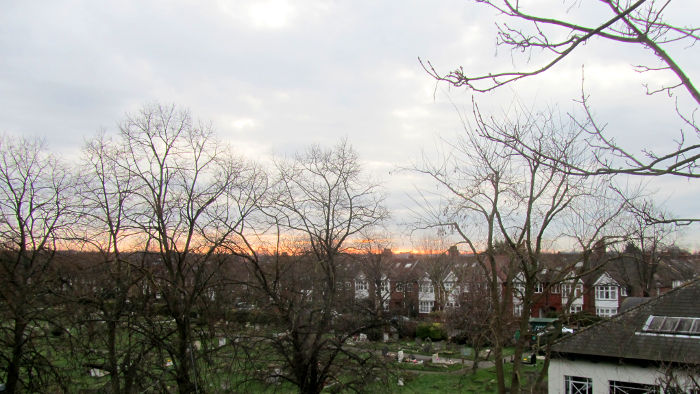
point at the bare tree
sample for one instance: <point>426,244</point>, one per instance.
<point>189,198</point>
<point>472,316</point>
<point>640,23</point>
<point>492,194</point>
<point>375,259</point>
<point>36,210</point>
<point>106,288</point>
<point>644,247</point>
<point>323,202</point>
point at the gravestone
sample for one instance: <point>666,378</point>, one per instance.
<point>386,336</point>
<point>484,354</point>
<point>419,341</point>
<point>362,338</point>
<point>198,345</point>
<point>436,358</point>
<point>428,346</point>
<point>222,342</point>
<point>97,372</point>
<point>400,356</point>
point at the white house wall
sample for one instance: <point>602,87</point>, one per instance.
<point>601,374</point>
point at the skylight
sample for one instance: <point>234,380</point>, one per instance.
<point>671,325</point>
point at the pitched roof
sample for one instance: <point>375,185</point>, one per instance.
<point>625,336</point>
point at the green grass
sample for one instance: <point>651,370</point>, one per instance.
<point>483,381</point>
<point>429,367</point>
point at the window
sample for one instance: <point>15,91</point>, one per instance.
<point>360,285</point>
<point>385,287</point>
<point>448,286</point>
<point>578,385</point>
<point>606,312</point>
<point>427,287</point>
<point>518,310</point>
<point>399,286</point>
<point>426,306</point>
<point>632,388</point>
<point>606,292</point>
<point>555,289</point>
<point>567,287</point>
<point>623,291</point>
<point>539,287</point>
<point>575,308</point>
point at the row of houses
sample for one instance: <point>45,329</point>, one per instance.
<point>420,285</point>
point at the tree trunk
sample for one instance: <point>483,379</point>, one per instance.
<point>185,383</point>
<point>112,365</point>
<point>17,349</point>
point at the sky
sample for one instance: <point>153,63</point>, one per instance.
<point>274,76</point>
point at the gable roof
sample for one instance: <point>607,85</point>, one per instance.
<point>624,336</point>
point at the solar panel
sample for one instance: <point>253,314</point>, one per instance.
<point>669,324</point>
<point>672,325</point>
<point>696,327</point>
<point>684,326</point>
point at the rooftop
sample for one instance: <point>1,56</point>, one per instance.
<point>628,335</point>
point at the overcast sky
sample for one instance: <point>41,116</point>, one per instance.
<point>274,76</point>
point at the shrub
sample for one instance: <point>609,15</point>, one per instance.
<point>434,331</point>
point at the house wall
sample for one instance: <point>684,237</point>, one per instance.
<point>600,372</point>
<point>546,302</point>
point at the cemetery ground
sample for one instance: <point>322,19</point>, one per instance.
<point>416,374</point>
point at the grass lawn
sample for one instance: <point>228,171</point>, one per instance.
<point>483,381</point>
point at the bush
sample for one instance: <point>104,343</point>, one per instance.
<point>434,331</point>
<point>375,334</point>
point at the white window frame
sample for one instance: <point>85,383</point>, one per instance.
<point>618,387</point>
<point>426,306</point>
<point>519,290</point>
<point>518,310</point>
<point>386,287</point>
<point>605,312</point>
<point>578,385</point>
<point>575,308</point>
<point>360,285</point>
<point>606,292</point>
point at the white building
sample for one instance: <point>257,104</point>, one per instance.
<point>651,348</point>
